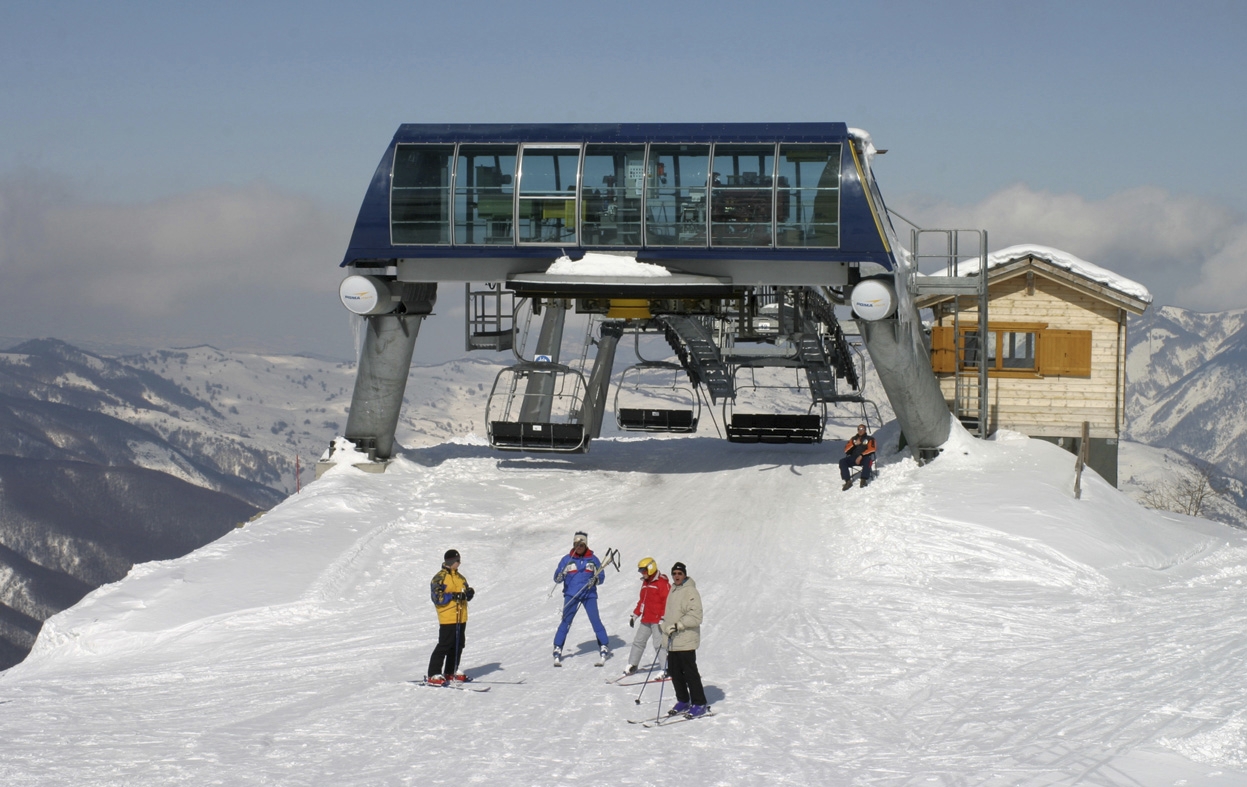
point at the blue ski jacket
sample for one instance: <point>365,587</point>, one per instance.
<point>576,573</point>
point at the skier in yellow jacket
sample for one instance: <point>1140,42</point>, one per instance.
<point>450,593</point>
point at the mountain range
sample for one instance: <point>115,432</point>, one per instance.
<point>1187,389</point>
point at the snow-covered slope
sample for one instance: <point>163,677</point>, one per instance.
<point>966,622</point>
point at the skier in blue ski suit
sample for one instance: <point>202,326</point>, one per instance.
<point>581,573</point>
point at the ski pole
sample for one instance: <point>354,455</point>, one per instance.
<point>658,713</point>
<point>458,631</point>
<point>646,683</point>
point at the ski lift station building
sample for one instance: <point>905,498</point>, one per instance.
<point>742,220</point>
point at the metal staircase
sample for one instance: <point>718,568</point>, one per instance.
<point>843,355</point>
<point>694,345</point>
<point>820,373</point>
<point>959,252</point>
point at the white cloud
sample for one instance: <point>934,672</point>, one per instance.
<point>245,266</point>
<point>164,256</point>
<point>1188,251</point>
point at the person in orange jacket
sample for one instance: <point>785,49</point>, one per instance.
<point>859,450</point>
<point>649,608</point>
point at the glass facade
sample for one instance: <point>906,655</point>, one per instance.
<point>547,201</point>
<point>675,201</point>
<point>808,211</point>
<point>484,194</point>
<point>742,195</point>
<point>611,195</point>
<point>420,194</point>
<point>617,195</point>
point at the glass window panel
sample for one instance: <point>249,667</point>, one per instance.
<point>484,193</point>
<point>610,197</point>
<point>675,200</point>
<point>1017,350</point>
<point>420,194</point>
<point>547,206</point>
<point>742,195</point>
<point>808,203</point>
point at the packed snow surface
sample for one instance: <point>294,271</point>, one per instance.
<point>600,264</point>
<point>968,622</point>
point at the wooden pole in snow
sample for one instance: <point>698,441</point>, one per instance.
<point>1082,459</point>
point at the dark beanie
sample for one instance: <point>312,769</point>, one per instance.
<point>452,556</point>
<point>679,567</point>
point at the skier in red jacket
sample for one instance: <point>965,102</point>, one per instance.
<point>649,608</point>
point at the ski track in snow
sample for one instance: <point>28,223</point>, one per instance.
<point>963,623</point>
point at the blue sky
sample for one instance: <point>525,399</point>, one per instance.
<point>1110,130</point>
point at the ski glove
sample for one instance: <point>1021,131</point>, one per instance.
<point>679,625</point>
<point>632,622</point>
<point>457,597</point>
<point>469,593</point>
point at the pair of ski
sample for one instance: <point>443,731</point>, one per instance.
<point>600,662</point>
<point>468,686</point>
<point>669,720</point>
<point>619,681</point>
<point>458,686</point>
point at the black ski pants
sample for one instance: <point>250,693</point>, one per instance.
<point>445,658</point>
<point>685,679</point>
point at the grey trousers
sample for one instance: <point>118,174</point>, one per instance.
<point>644,633</point>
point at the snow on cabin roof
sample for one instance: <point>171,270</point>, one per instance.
<point>1061,259</point>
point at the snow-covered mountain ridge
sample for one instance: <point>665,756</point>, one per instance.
<point>198,438</point>
<point>966,622</point>
<point>1187,388</point>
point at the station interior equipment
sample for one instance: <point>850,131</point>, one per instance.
<point>760,231</point>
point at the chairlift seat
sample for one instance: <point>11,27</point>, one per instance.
<point>775,428</point>
<point>537,436</point>
<point>636,419</point>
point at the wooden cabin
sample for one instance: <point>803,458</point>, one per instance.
<point>1055,353</point>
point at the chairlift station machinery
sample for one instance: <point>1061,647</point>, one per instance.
<point>760,229</point>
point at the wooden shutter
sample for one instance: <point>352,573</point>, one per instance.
<point>1066,353</point>
<point>943,351</point>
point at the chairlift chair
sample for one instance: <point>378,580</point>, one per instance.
<point>561,429</point>
<point>633,385</point>
<point>788,427</point>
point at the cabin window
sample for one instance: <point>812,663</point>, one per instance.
<point>611,189</point>
<point>1004,351</point>
<point>420,194</point>
<point>675,199</point>
<point>547,204</point>
<point>807,206</point>
<point>1013,350</point>
<point>484,192</point>
<point>742,195</point>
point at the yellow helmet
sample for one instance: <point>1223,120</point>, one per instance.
<point>648,565</point>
